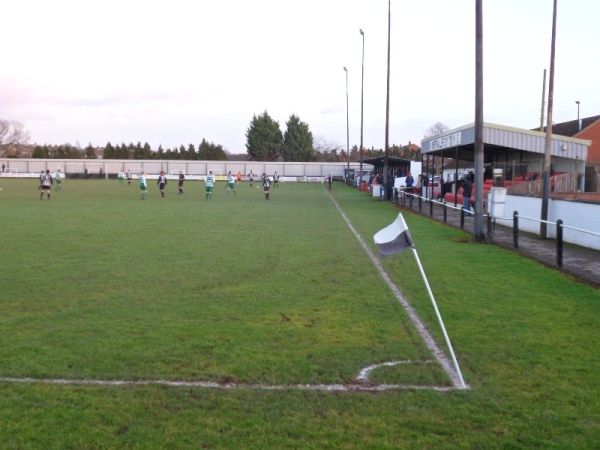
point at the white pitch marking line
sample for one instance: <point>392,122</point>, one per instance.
<point>364,373</point>
<point>363,377</point>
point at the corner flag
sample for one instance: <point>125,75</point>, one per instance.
<point>394,238</point>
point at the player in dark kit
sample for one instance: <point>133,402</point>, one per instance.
<point>181,179</point>
<point>46,184</point>
<point>162,182</point>
<point>266,185</point>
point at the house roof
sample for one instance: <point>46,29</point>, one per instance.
<point>571,128</point>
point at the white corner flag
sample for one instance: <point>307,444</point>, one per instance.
<point>394,238</point>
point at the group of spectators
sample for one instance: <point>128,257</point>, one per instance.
<point>412,186</point>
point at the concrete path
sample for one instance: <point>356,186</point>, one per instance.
<point>581,262</point>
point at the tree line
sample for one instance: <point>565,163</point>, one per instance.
<point>264,142</point>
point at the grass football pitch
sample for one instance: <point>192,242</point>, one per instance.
<point>263,300</point>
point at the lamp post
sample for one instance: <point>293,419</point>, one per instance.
<point>386,158</point>
<point>362,90</point>
<point>347,131</point>
<point>548,143</point>
<point>578,122</point>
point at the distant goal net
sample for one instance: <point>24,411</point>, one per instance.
<point>11,170</point>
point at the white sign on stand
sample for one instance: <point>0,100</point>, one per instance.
<point>497,202</point>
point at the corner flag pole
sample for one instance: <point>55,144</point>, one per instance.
<point>437,313</point>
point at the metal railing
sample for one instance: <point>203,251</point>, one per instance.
<point>412,200</point>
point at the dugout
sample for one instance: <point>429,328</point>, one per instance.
<point>395,165</point>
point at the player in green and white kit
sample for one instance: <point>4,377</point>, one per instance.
<point>143,185</point>
<point>121,177</point>
<point>58,179</point>
<point>210,182</point>
<point>230,183</point>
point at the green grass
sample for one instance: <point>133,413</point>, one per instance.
<point>97,284</point>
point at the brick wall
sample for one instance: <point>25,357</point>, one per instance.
<point>593,134</point>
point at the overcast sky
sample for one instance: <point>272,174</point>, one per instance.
<point>176,72</point>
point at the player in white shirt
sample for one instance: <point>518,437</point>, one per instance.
<point>121,177</point>
<point>230,183</point>
<point>143,185</point>
<point>58,179</point>
<point>210,182</point>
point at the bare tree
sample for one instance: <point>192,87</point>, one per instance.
<point>326,150</point>
<point>12,133</point>
<point>435,129</point>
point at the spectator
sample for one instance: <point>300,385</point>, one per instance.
<point>410,181</point>
<point>424,185</point>
<point>467,192</point>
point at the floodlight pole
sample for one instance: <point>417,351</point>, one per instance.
<point>478,149</point>
<point>548,153</point>
<point>387,110</point>
<point>347,131</point>
<point>362,90</point>
<point>543,102</point>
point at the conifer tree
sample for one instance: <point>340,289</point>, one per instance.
<point>298,141</point>
<point>264,140</point>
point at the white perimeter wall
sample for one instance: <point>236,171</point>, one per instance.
<point>153,167</point>
<point>585,216</point>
